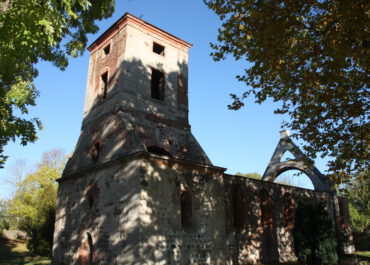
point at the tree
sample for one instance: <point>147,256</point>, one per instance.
<point>313,57</point>
<point>358,195</point>
<point>4,218</point>
<point>33,30</point>
<point>34,203</point>
<point>254,175</point>
<point>286,180</point>
<point>314,235</point>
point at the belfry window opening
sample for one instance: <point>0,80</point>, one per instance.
<point>157,84</point>
<point>158,49</point>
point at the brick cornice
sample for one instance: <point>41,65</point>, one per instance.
<point>126,19</point>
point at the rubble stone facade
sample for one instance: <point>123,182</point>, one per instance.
<point>139,189</point>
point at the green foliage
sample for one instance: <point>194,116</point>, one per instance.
<point>360,222</point>
<point>31,30</point>
<point>314,235</point>
<point>313,58</point>
<point>254,175</point>
<point>358,195</point>
<point>4,219</point>
<point>34,205</point>
<point>286,180</point>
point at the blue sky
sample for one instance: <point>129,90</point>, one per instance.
<point>241,141</point>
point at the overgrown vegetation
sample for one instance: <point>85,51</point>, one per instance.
<point>358,195</point>
<point>314,235</point>
<point>33,30</point>
<point>33,205</point>
<point>4,218</point>
<point>313,58</point>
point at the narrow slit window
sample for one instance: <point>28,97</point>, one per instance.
<point>104,79</point>
<point>90,200</point>
<point>237,207</point>
<point>186,210</point>
<point>107,49</point>
<point>91,248</point>
<point>158,49</point>
<point>157,85</point>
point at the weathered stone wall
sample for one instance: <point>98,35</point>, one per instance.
<point>259,219</point>
<point>344,226</point>
<point>173,232</point>
<point>129,65</point>
<point>105,204</point>
<point>127,119</point>
<point>135,212</point>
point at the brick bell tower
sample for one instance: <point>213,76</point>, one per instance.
<point>136,110</point>
<point>136,97</point>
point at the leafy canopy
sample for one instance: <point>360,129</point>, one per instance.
<point>33,30</point>
<point>312,56</point>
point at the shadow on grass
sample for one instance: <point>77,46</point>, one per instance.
<point>15,252</point>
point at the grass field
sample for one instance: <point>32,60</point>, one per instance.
<point>15,252</point>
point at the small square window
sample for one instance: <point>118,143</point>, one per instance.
<point>158,49</point>
<point>107,49</point>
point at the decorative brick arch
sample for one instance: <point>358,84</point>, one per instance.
<point>301,163</point>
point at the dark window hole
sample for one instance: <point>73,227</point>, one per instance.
<point>158,49</point>
<point>91,248</point>
<point>91,201</point>
<point>157,84</point>
<point>104,79</point>
<point>107,49</point>
<point>186,210</point>
<point>158,150</point>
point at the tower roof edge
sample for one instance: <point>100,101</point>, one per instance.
<point>129,18</point>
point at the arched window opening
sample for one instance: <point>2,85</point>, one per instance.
<point>86,251</point>
<point>288,211</point>
<point>158,150</point>
<point>91,194</point>
<point>90,200</point>
<point>266,209</point>
<point>295,178</point>
<point>91,248</point>
<point>186,210</point>
<point>104,82</point>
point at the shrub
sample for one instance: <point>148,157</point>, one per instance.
<point>314,234</point>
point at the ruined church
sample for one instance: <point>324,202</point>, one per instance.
<point>139,188</point>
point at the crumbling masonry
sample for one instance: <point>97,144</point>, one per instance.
<point>139,189</point>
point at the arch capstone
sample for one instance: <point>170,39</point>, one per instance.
<point>301,163</point>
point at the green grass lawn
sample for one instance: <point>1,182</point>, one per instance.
<point>15,252</point>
